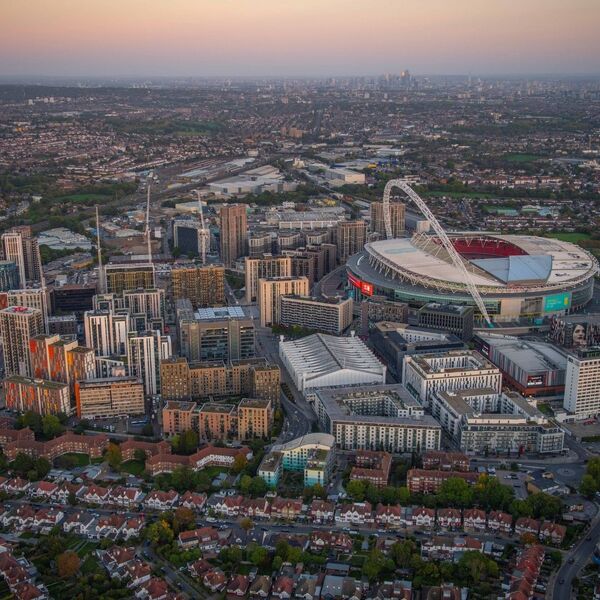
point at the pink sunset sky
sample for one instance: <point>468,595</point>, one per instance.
<point>298,37</point>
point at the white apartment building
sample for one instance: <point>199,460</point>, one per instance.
<point>582,383</point>
<point>425,374</point>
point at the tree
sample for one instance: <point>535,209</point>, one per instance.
<point>188,442</point>
<point>160,532</point>
<point>51,426</point>
<point>588,486</point>
<point>245,483</point>
<point>22,464</point>
<point>544,506</point>
<point>240,462</point>
<point>139,455</point>
<point>455,491</point>
<point>402,553</point>
<point>356,490</point>
<point>474,566</point>
<point>277,562</point>
<point>114,456</point>
<point>42,467</point>
<point>528,539</point>
<point>373,564</point>
<point>148,430</point>
<point>490,494</point>
<point>32,420</point>
<point>67,564</point>
<point>246,524</point>
<point>183,519</point>
<point>258,486</point>
<point>258,555</point>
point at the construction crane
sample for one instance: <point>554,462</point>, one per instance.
<point>148,221</point>
<point>454,255</point>
<point>204,232</point>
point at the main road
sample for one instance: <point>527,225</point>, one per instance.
<point>574,561</point>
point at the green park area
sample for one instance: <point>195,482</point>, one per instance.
<point>516,157</point>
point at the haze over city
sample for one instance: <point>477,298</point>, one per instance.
<point>299,300</point>
<point>297,38</point>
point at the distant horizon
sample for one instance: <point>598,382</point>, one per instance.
<point>308,38</point>
<point>33,79</point>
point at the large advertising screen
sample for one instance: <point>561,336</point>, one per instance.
<point>364,287</point>
<point>557,302</point>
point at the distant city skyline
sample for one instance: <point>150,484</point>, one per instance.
<point>257,38</point>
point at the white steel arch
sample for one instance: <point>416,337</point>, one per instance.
<point>456,259</point>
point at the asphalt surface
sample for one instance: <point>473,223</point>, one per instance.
<point>574,561</point>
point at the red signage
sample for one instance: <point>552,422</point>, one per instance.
<point>364,287</point>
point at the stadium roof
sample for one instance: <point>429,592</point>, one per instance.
<point>535,261</point>
<point>511,269</point>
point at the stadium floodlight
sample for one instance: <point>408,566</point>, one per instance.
<point>454,255</point>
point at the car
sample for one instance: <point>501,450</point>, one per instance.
<point>571,560</point>
<point>561,580</point>
<point>589,538</point>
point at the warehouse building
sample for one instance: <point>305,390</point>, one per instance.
<point>321,360</point>
<point>532,368</point>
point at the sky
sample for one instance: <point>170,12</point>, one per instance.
<point>297,37</point>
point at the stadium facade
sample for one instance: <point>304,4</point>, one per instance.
<point>517,276</point>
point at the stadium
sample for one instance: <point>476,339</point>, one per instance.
<point>517,276</point>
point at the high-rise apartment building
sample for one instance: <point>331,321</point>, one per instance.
<point>187,236</point>
<point>109,398</point>
<point>43,397</point>
<point>262,267</point>
<point>60,360</point>
<point>203,286</point>
<point>350,238</point>
<point>18,324</point>
<point>145,351</point>
<point>397,212</point>
<point>123,277</point>
<point>217,334</point>
<point>233,233</point>
<point>329,316</point>
<point>106,332</point>
<point>270,291</point>
<point>20,247</point>
<point>582,383</point>
<point>32,298</point>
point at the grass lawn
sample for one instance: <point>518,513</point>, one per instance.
<point>565,236</point>
<point>212,472</point>
<point>79,460</point>
<point>517,157</point>
<point>135,467</point>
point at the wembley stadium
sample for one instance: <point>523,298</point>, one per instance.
<point>517,276</point>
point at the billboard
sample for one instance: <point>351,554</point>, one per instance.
<point>363,286</point>
<point>557,302</point>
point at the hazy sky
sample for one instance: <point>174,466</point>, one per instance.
<point>298,37</point>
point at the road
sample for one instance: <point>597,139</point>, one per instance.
<point>299,416</point>
<point>574,561</point>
